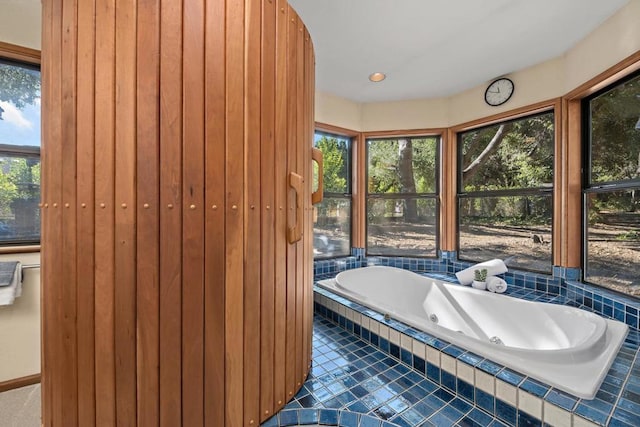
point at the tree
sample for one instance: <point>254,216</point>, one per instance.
<point>19,85</point>
<point>405,173</point>
<point>335,159</point>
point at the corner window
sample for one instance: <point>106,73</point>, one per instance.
<point>612,186</point>
<point>19,153</point>
<point>402,196</point>
<point>332,217</point>
<point>505,194</point>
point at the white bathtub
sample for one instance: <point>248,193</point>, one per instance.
<point>562,346</point>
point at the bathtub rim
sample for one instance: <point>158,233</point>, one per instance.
<point>600,323</point>
<point>617,328</point>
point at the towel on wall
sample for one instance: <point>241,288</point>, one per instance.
<point>10,282</point>
<point>496,284</point>
<point>494,266</point>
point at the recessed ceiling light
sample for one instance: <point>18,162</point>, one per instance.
<point>377,77</point>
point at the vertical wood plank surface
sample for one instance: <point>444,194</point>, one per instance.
<point>193,222</point>
<point>215,261</point>
<point>234,221</point>
<point>267,207</point>
<point>46,292</point>
<point>448,191</point>
<point>170,213</point>
<point>85,211</point>
<point>302,152</point>
<point>125,213</point>
<point>171,295</point>
<point>104,218</point>
<point>292,256</point>
<point>66,209</point>
<point>147,198</point>
<point>281,189</point>
<point>252,355</point>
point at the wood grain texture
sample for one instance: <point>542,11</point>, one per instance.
<point>252,225</point>
<point>85,212</point>
<point>215,217</point>
<point>234,220</point>
<point>125,213</point>
<point>267,208</point>
<point>171,295</point>
<point>302,154</point>
<point>104,217</point>
<point>448,192</point>
<point>171,87</point>
<point>280,255</point>
<point>292,255</point>
<point>570,208</point>
<point>193,217</point>
<point>21,53</point>
<point>47,331</point>
<point>147,212</point>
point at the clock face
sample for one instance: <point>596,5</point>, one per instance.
<point>499,92</point>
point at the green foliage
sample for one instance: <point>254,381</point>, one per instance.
<point>335,153</point>
<point>523,159</point>
<point>480,274</point>
<point>384,168</point>
<point>19,85</point>
<point>615,141</point>
<point>19,179</point>
<point>629,236</point>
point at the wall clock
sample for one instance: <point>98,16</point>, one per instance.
<point>499,91</point>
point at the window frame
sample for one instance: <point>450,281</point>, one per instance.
<point>30,58</point>
<point>588,187</point>
<point>333,133</point>
<point>542,191</point>
<point>395,196</point>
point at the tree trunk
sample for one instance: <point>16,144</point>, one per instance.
<point>407,183</point>
<point>491,147</point>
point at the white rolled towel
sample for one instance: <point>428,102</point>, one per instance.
<point>494,266</point>
<point>496,284</point>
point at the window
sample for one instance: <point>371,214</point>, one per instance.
<point>19,153</point>
<point>505,194</point>
<point>402,196</point>
<point>332,217</point>
<point>612,186</point>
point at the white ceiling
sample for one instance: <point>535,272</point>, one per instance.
<point>437,48</point>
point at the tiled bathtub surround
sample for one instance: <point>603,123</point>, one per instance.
<point>563,282</point>
<point>369,388</point>
<point>512,397</point>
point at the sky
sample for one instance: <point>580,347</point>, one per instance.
<point>20,127</point>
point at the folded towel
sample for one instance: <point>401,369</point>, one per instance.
<point>10,282</point>
<point>494,266</point>
<point>496,284</point>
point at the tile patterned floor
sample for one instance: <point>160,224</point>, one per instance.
<point>350,374</point>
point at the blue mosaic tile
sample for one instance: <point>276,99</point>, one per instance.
<point>534,387</point>
<point>510,376</point>
<point>591,413</point>
<point>526,420</point>
<point>289,418</point>
<point>505,412</point>
<point>623,417</point>
<point>619,379</point>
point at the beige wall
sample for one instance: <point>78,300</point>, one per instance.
<point>20,23</point>
<point>20,324</point>
<point>617,38</point>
